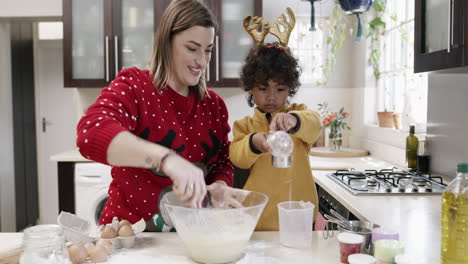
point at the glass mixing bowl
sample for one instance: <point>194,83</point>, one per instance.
<point>215,235</point>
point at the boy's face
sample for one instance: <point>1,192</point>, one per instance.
<point>270,98</point>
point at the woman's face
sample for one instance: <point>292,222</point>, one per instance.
<point>270,98</point>
<point>191,53</point>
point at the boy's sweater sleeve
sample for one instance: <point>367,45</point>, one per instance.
<point>242,152</point>
<point>222,169</point>
<point>309,124</point>
<point>114,111</point>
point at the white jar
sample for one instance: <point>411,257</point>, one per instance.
<point>44,244</point>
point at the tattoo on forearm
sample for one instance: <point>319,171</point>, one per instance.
<point>148,160</point>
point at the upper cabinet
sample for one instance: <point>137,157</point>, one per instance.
<point>102,37</point>
<point>441,31</point>
<point>232,43</point>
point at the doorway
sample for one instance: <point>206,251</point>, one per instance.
<point>24,124</point>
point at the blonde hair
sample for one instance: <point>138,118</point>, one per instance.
<point>180,15</point>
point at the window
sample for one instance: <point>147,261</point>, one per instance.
<point>309,48</point>
<point>398,88</point>
<point>50,30</point>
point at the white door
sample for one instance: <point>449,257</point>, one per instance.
<point>56,105</point>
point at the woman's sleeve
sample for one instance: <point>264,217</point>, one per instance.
<point>242,152</point>
<point>222,169</point>
<point>308,125</point>
<point>114,111</point>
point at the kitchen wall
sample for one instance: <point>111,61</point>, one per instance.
<point>447,117</point>
<point>7,170</point>
<point>29,8</point>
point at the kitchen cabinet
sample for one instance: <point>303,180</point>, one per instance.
<point>105,36</point>
<point>440,34</point>
<point>232,43</point>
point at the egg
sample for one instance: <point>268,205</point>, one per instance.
<point>126,231</point>
<point>89,246</point>
<point>98,254</point>
<point>108,232</point>
<point>124,222</point>
<point>106,244</point>
<point>77,253</point>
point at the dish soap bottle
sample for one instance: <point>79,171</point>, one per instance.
<point>454,215</point>
<point>412,143</point>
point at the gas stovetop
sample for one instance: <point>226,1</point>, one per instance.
<point>389,182</point>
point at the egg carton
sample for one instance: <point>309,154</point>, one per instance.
<point>78,230</point>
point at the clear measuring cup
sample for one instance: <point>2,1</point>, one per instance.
<point>295,223</point>
<point>281,146</point>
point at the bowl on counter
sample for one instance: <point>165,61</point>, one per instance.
<point>216,235</point>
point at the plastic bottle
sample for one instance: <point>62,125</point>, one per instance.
<point>412,143</point>
<point>454,216</point>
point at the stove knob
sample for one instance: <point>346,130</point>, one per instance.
<point>388,187</point>
<point>414,187</point>
<point>428,187</point>
<point>401,187</point>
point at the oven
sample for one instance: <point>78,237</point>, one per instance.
<point>328,203</point>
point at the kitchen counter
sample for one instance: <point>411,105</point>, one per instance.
<point>417,218</point>
<point>69,156</point>
<point>167,248</point>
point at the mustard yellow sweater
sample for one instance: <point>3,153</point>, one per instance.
<point>280,184</point>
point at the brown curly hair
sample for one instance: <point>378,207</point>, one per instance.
<point>270,62</point>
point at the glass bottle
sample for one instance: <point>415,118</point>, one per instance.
<point>454,215</point>
<point>423,160</point>
<point>44,244</point>
<point>412,143</point>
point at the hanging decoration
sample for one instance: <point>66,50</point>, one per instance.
<point>356,7</point>
<point>312,14</point>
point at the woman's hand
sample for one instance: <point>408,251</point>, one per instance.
<point>283,122</point>
<point>223,196</point>
<point>259,141</point>
<point>188,179</point>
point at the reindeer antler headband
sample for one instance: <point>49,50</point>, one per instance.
<point>258,31</point>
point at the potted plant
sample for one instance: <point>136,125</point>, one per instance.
<point>385,119</point>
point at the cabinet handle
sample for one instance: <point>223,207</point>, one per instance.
<point>450,27</point>
<point>107,57</point>
<point>116,54</point>
<point>208,72</point>
<point>217,58</point>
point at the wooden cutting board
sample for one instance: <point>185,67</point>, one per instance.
<point>342,153</point>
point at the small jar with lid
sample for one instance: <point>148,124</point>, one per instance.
<point>44,244</point>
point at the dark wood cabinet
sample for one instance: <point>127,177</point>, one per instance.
<point>440,34</point>
<point>104,36</point>
<point>232,43</point>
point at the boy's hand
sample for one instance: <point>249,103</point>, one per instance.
<point>259,141</point>
<point>283,122</point>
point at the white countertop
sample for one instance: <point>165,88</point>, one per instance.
<point>69,156</point>
<point>264,247</point>
<point>417,218</point>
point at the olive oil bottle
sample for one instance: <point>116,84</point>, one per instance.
<point>454,219</point>
<point>412,143</point>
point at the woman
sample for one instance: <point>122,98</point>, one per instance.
<point>161,127</point>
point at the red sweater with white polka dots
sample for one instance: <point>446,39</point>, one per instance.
<point>197,129</point>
